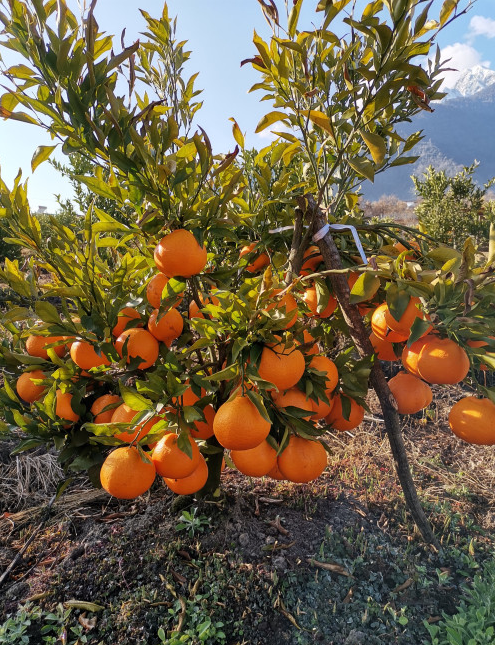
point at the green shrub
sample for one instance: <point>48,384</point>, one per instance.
<point>474,624</point>
<point>454,208</point>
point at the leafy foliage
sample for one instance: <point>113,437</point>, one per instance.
<point>454,208</point>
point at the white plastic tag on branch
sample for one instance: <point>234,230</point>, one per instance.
<point>340,227</point>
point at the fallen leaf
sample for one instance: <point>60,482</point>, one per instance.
<point>403,586</point>
<point>331,566</point>
<point>81,604</point>
<point>349,596</point>
<point>178,577</point>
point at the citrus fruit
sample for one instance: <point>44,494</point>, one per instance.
<point>381,329</point>
<point>383,348</point>
<point>195,311</point>
<point>406,321</point>
<point>293,398</point>
<point>193,482</point>
<point>141,344</point>
<point>85,355</point>
<point>239,426</point>
<point>169,459</point>
<point>473,420</point>
<point>155,289</point>
<point>27,390</point>
<point>255,462</point>
<point>125,475</point>
<point>281,366</point>
<point>204,429</point>
<point>36,346</point>
<point>336,417</point>
<point>442,361</point>
<point>302,460</point>
<point>100,404</point>
<point>179,254</point>
<point>310,297</point>
<point>63,408</point>
<point>327,366</point>
<point>125,414</point>
<point>411,393</point>
<point>311,259</point>
<point>260,262</point>
<point>287,305</point>
<point>124,317</point>
<point>166,328</point>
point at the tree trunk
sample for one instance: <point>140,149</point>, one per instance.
<point>363,344</point>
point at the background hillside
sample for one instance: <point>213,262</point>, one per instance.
<point>459,131</point>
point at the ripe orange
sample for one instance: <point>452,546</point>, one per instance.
<point>125,414</point>
<point>383,348</point>
<point>155,289</point>
<point>287,305</point>
<point>85,356</point>
<point>311,300</point>
<point>336,418</point>
<point>100,404</point>
<point>410,355</point>
<point>324,364</point>
<point>179,254</point>
<point>194,310</point>
<point>259,262</point>
<point>302,460</point>
<point>403,326</point>
<point>27,390</point>
<point>125,475</point>
<point>169,459</point>
<point>293,398</point>
<point>443,361</point>
<point>311,260</point>
<point>257,461</point>
<point>63,408</point>
<point>168,327</point>
<point>239,426</point>
<point>473,420</point>
<point>141,344</point>
<point>193,482</point>
<point>35,346</point>
<point>411,393</point>
<point>282,367</point>
<point>189,397</point>
<point>204,429</point>
<point>124,317</point>
<point>381,329</point>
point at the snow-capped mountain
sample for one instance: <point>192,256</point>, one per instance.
<point>471,82</point>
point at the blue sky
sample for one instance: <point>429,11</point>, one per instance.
<point>220,36</point>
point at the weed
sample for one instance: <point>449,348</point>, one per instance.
<point>31,622</point>
<point>191,523</point>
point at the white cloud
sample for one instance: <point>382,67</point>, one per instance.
<point>481,26</point>
<point>462,57</point>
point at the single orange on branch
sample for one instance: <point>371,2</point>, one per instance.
<point>260,262</point>
<point>98,409</point>
<point>286,304</point>
<point>166,327</point>
<point>125,414</point>
<point>125,474</point>
<point>155,289</point>
<point>255,462</point>
<point>139,344</point>
<point>280,365</point>
<point>411,393</point>
<point>170,461</point>
<point>238,425</point>
<point>473,420</point>
<point>442,361</point>
<point>179,254</point>
<point>336,418</point>
<point>86,356</point>
<point>27,390</point>
<point>37,345</point>
<point>302,460</point>
<point>311,299</point>
<point>124,318</point>
<point>193,482</point>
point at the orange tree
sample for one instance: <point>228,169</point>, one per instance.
<point>224,308</point>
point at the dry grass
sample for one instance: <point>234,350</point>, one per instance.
<point>30,478</point>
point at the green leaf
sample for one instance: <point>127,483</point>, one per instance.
<point>418,329</point>
<point>257,399</point>
<point>184,444</point>
<point>47,312</point>
<point>227,374</point>
<point>268,119</point>
<point>236,131</point>
<point>42,153</point>
<point>376,145</point>
<point>363,167</point>
<point>134,400</point>
<point>397,301</point>
<point>364,288</point>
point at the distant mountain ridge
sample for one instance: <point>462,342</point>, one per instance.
<point>459,131</point>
